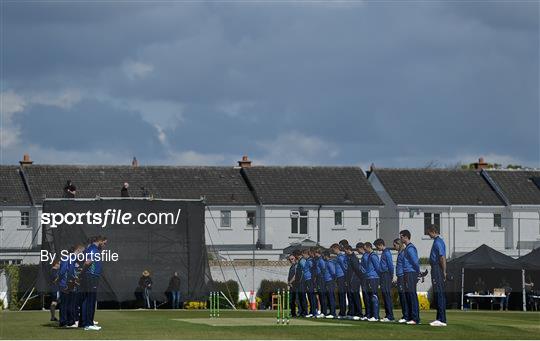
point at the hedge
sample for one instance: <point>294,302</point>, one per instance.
<point>230,289</point>
<point>266,290</point>
<point>21,279</point>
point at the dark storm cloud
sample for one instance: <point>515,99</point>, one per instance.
<point>89,125</point>
<point>401,84</point>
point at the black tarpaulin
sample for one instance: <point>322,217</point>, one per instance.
<point>531,261</point>
<point>161,248</point>
<point>484,257</point>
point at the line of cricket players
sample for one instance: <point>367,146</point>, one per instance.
<point>358,272</point>
<point>74,285</point>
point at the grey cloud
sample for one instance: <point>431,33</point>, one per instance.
<point>393,83</point>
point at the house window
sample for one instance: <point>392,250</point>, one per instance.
<point>365,218</point>
<point>497,220</point>
<point>432,219</point>
<point>225,219</point>
<point>251,217</point>
<point>10,261</point>
<point>25,218</point>
<point>471,220</point>
<point>338,218</point>
<point>299,222</point>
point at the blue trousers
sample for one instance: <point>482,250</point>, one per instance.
<point>373,286</point>
<point>322,293</point>
<point>330,294</point>
<point>355,307</point>
<point>292,300</point>
<point>438,284</point>
<point>366,299</point>
<point>386,291</point>
<point>67,308</point>
<point>89,299</point>
<point>411,279</point>
<point>342,292</point>
<point>175,295</point>
<point>302,302</point>
<point>310,291</point>
<point>403,298</point>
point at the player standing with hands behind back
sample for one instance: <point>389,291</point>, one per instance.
<point>437,259</point>
<point>411,270</point>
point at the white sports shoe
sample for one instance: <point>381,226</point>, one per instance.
<point>437,323</point>
<point>402,321</point>
<point>356,318</point>
<point>373,319</point>
<point>96,322</point>
<point>411,322</point>
<point>320,316</point>
<point>329,316</point>
<point>385,320</point>
<point>92,328</point>
<point>364,318</point>
<point>309,315</point>
<point>72,326</point>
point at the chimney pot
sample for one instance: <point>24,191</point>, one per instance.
<point>26,160</point>
<point>481,164</point>
<point>245,162</point>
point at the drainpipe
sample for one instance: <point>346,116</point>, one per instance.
<point>319,224</point>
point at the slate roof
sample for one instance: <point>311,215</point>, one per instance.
<point>437,187</point>
<point>517,186</point>
<point>12,190</point>
<point>311,186</point>
<point>220,185</point>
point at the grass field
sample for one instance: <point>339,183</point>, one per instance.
<point>195,324</point>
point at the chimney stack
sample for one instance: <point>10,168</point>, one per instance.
<point>481,164</point>
<point>26,160</point>
<point>134,163</point>
<point>245,162</point>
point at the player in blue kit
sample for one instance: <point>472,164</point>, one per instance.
<point>386,275</point>
<point>302,300</point>
<point>307,267</point>
<point>65,274</point>
<point>341,271</point>
<point>437,260</point>
<point>91,274</point>
<point>363,266</point>
<point>372,279</point>
<point>400,283</point>
<point>353,284</point>
<point>330,285</point>
<point>411,270</point>
<point>320,266</point>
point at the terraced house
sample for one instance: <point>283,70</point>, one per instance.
<point>259,208</point>
<point>262,212</point>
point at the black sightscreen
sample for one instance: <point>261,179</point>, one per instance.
<point>175,244</point>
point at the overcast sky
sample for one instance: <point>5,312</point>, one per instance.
<point>399,84</point>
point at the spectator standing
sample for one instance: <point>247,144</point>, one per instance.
<point>174,288</point>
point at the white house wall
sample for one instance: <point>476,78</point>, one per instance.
<point>237,233</point>
<point>13,235</point>
<point>525,225</point>
<point>454,230</point>
<point>278,225</point>
<point>388,222</point>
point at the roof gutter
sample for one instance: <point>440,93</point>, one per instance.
<point>495,187</point>
<point>27,185</point>
<point>250,186</point>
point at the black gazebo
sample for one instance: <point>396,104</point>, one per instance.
<point>484,258</point>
